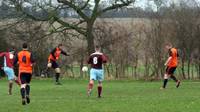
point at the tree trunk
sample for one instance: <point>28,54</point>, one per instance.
<point>146,67</point>
<point>72,71</point>
<point>82,62</point>
<point>183,68</point>
<point>188,70</point>
<point>81,66</point>
<point>135,67</point>
<point>132,73</point>
<point>108,70</point>
<point>198,67</point>
<point>90,37</point>
<point>199,71</point>
<point>192,72</point>
<point>116,72</point>
<point>112,69</point>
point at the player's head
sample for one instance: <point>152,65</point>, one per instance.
<point>168,45</point>
<point>25,46</point>
<point>97,48</point>
<point>12,50</point>
<point>60,45</point>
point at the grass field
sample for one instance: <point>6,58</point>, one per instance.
<point>118,96</point>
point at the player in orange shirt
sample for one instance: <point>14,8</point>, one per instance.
<point>25,60</point>
<point>171,63</point>
<point>52,61</point>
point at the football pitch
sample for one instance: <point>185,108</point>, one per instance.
<point>118,96</point>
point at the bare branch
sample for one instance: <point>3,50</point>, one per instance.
<point>74,27</point>
<point>10,25</point>
<point>115,6</point>
<point>95,10</point>
<point>85,5</point>
<point>76,8</point>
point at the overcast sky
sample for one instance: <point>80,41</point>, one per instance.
<point>139,3</point>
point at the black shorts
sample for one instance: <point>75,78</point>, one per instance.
<point>54,64</point>
<point>170,70</point>
<point>25,78</point>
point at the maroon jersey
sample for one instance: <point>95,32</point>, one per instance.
<point>96,60</point>
<point>8,59</point>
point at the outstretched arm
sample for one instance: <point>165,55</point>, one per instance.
<point>170,57</point>
<point>2,54</point>
<point>64,53</point>
<point>168,60</point>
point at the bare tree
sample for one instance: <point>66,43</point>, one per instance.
<point>86,21</point>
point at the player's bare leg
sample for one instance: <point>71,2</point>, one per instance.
<point>57,76</point>
<point>99,88</point>
<point>10,85</point>
<point>23,94</point>
<point>90,86</point>
<point>49,66</point>
<point>165,81</point>
<point>17,81</point>
<point>178,82</point>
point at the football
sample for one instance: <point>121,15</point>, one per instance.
<point>42,75</point>
<point>85,69</point>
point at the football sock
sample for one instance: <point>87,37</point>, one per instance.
<point>27,93</point>
<point>57,77</point>
<point>90,86</point>
<point>165,83</point>
<point>27,90</point>
<point>174,78</point>
<point>23,93</point>
<point>10,88</point>
<point>99,91</point>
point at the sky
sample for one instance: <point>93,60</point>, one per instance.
<point>146,3</point>
<point>138,3</point>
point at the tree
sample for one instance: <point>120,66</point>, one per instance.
<point>84,25</point>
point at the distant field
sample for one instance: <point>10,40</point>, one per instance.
<point>140,71</point>
<point>118,96</point>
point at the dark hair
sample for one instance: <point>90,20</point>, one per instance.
<point>25,46</point>
<point>60,45</point>
<point>168,44</point>
<point>97,47</point>
<point>11,50</point>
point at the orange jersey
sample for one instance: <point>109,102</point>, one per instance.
<point>25,61</point>
<point>174,60</point>
<point>55,54</point>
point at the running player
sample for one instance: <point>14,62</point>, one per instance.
<point>96,61</point>
<point>8,68</point>
<point>53,57</point>
<point>171,64</point>
<point>25,60</point>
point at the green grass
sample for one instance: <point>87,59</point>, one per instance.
<point>118,96</point>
